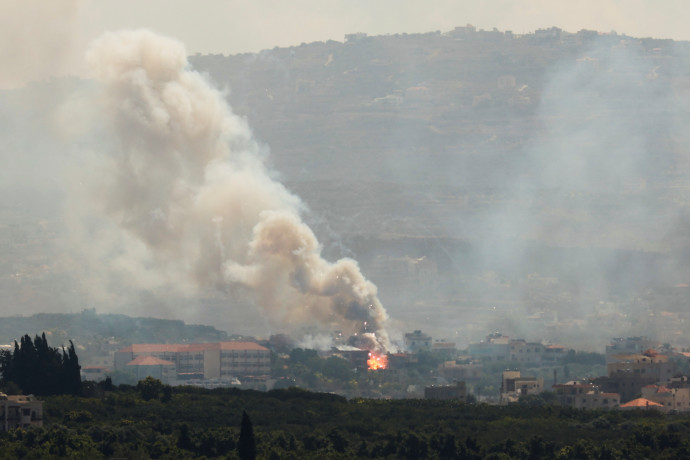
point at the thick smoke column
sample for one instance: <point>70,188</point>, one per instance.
<point>186,178</point>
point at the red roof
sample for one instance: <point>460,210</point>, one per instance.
<point>641,402</point>
<point>149,361</point>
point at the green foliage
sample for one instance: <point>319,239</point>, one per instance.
<point>297,424</point>
<point>150,388</point>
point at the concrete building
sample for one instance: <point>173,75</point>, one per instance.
<point>628,346</point>
<point>19,411</point>
<point>496,347</point>
<point>672,399</point>
<point>584,395</point>
<point>452,370</point>
<point>417,341</point>
<point>514,385</point>
<point>447,350</point>
<point>219,360</point>
<point>150,366</point>
<point>456,391</point>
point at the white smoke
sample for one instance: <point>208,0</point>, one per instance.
<point>186,180</point>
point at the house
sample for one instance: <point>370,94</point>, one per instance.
<point>641,403</point>
<point>514,385</point>
<point>496,347</point>
<point>672,399</point>
<point>629,373</point>
<point>584,395</point>
<point>453,370</point>
<point>417,341</point>
<point>20,411</point>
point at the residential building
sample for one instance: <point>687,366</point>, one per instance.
<point>628,346</point>
<point>417,341</point>
<point>641,403</point>
<point>20,411</point>
<point>452,370</point>
<point>514,385</point>
<point>444,349</point>
<point>496,347</point>
<point>672,399</point>
<point>584,395</point>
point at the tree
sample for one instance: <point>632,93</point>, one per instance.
<point>149,388</point>
<point>39,369</point>
<point>246,447</point>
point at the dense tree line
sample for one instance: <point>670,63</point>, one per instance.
<point>39,369</point>
<point>296,424</point>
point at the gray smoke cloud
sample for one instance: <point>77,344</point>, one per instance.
<point>184,178</point>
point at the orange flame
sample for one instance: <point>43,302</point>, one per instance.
<point>377,361</point>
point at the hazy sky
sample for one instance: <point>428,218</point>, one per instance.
<point>42,38</point>
<point>231,26</point>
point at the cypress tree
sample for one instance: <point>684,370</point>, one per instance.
<point>246,447</point>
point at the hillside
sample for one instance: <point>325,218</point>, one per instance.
<point>533,184</point>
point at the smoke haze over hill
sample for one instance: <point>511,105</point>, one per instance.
<point>483,181</point>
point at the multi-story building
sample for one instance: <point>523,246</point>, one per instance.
<point>628,346</point>
<point>672,399</point>
<point>584,395</point>
<point>498,347</point>
<point>150,366</point>
<point>452,370</point>
<point>628,374</point>
<point>219,360</point>
<point>417,341</point>
<point>514,385</point>
<point>19,411</point>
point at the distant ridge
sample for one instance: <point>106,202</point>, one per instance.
<point>88,326</point>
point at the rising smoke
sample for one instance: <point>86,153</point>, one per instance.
<point>186,182</point>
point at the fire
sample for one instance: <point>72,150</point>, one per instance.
<point>377,361</point>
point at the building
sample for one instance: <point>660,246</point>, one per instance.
<point>514,385</point>
<point>496,347</point>
<point>219,360</point>
<point>628,346</point>
<point>444,349</point>
<point>456,391</point>
<point>453,370</point>
<point>94,373</point>
<point>417,341</point>
<point>499,347</point>
<point>19,411</point>
<point>641,403</point>
<point>628,374</point>
<point>672,399</point>
<point>150,366</point>
<point>584,395</point>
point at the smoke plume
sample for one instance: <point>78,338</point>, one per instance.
<point>187,182</point>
